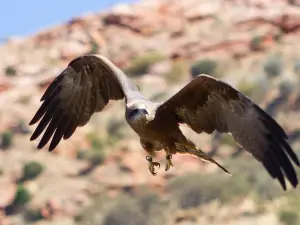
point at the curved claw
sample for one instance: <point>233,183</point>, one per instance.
<point>156,164</point>
<point>152,165</point>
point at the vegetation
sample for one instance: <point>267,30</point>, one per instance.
<point>205,66</point>
<point>32,214</point>
<point>289,217</point>
<point>22,196</point>
<point>176,72</point>
<point>10,71</point>
<point>141,64</point>
<point>143,209</point>
<point>31,170</point>
<point>6,140</point>
<point>96,157</point>
<point>273,66</point>
<point>256,43</point>
<point>252,89</point>
<point>289,213</point>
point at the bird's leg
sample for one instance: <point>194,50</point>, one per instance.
<point>169,161</point>
<point>152,164</point>
<point>150,148</point>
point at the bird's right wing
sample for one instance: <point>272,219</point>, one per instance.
<point>83,88</point>
<point>207,104</point>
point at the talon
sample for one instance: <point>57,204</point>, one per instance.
<point>169,162</point>
<point>152,165</point>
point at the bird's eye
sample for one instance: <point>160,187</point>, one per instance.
<point>133,112</point>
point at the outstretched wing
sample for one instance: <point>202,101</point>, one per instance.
<point>207,104</point>
<point>84,87</point>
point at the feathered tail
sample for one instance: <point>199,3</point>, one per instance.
<point>191,149</point>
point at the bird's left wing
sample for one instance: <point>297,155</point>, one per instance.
<point>207,104</point>
<point>83,88</point>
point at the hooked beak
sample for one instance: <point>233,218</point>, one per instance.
<point>145,111</point>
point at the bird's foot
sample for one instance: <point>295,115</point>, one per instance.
<point>169,162</point>
<point>152,165</point>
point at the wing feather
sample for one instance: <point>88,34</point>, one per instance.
<point>83,88</point>
<point>207,104</point>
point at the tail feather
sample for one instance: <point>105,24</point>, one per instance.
<point>207,158</point>
<point>191,149</point>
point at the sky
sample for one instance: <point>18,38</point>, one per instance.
<point>25,17</point>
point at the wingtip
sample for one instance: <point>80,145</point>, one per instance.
<point>32,138</point>
<point>31,122</point>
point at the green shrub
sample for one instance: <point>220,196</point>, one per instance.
<point>141,64</point>
<point>96,141</point>
<point>289,217</point>
<point>32,214</point>
<point>177,72</point>
<point>297,67</point>
<point>120,210</point>
<point>115,129</point>
<point>31,170</point>
<point>196,189</point>
<point>82,154</point>
<point>96,157</point>
<point>204,66</point>
<point>249,175</point>
<point>94,47</point>
<point>227,139</point>
<point>22,196</point>
<point>6,140</point>
<point>147,199</point>
<point>256,43</point>
<point>251,89</point>
<point>273,66</point>
<point>10,71</point>
<point>125,213</point>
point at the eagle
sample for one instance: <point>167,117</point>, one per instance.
<point>205,104</point>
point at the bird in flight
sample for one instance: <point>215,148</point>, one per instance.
<point>205,104</point>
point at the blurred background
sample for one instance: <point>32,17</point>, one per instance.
<point>100,175</point>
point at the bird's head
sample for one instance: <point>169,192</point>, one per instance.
<point>137,113</point>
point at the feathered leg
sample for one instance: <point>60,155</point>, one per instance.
<point>150,148</point>
<point>168,159</point>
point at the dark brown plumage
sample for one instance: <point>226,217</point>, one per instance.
<point>205,105</point>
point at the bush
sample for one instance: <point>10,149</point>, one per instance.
<point>251,89</point>
<point>196,189</point>
<point>227,139</point>
<point>273,67</point>
<point>82,154</point>
<point>249,175</point>
<point>256,43</point>
<point>289,217</point>
<point>22,196</point>
<point>147,199</point>
<point>32,215</point>
<point>297,67</point>
<point>125,213</point>
<point>31,170</point>
<point>115,129</point>
<point>177,72</point>
<point>141,64</point>
<point>204,66</point>
<point>121,210</point>
<point>96,157</point>
<point>96,142</point>
<point>6,140</point>
<point>10,71</point>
